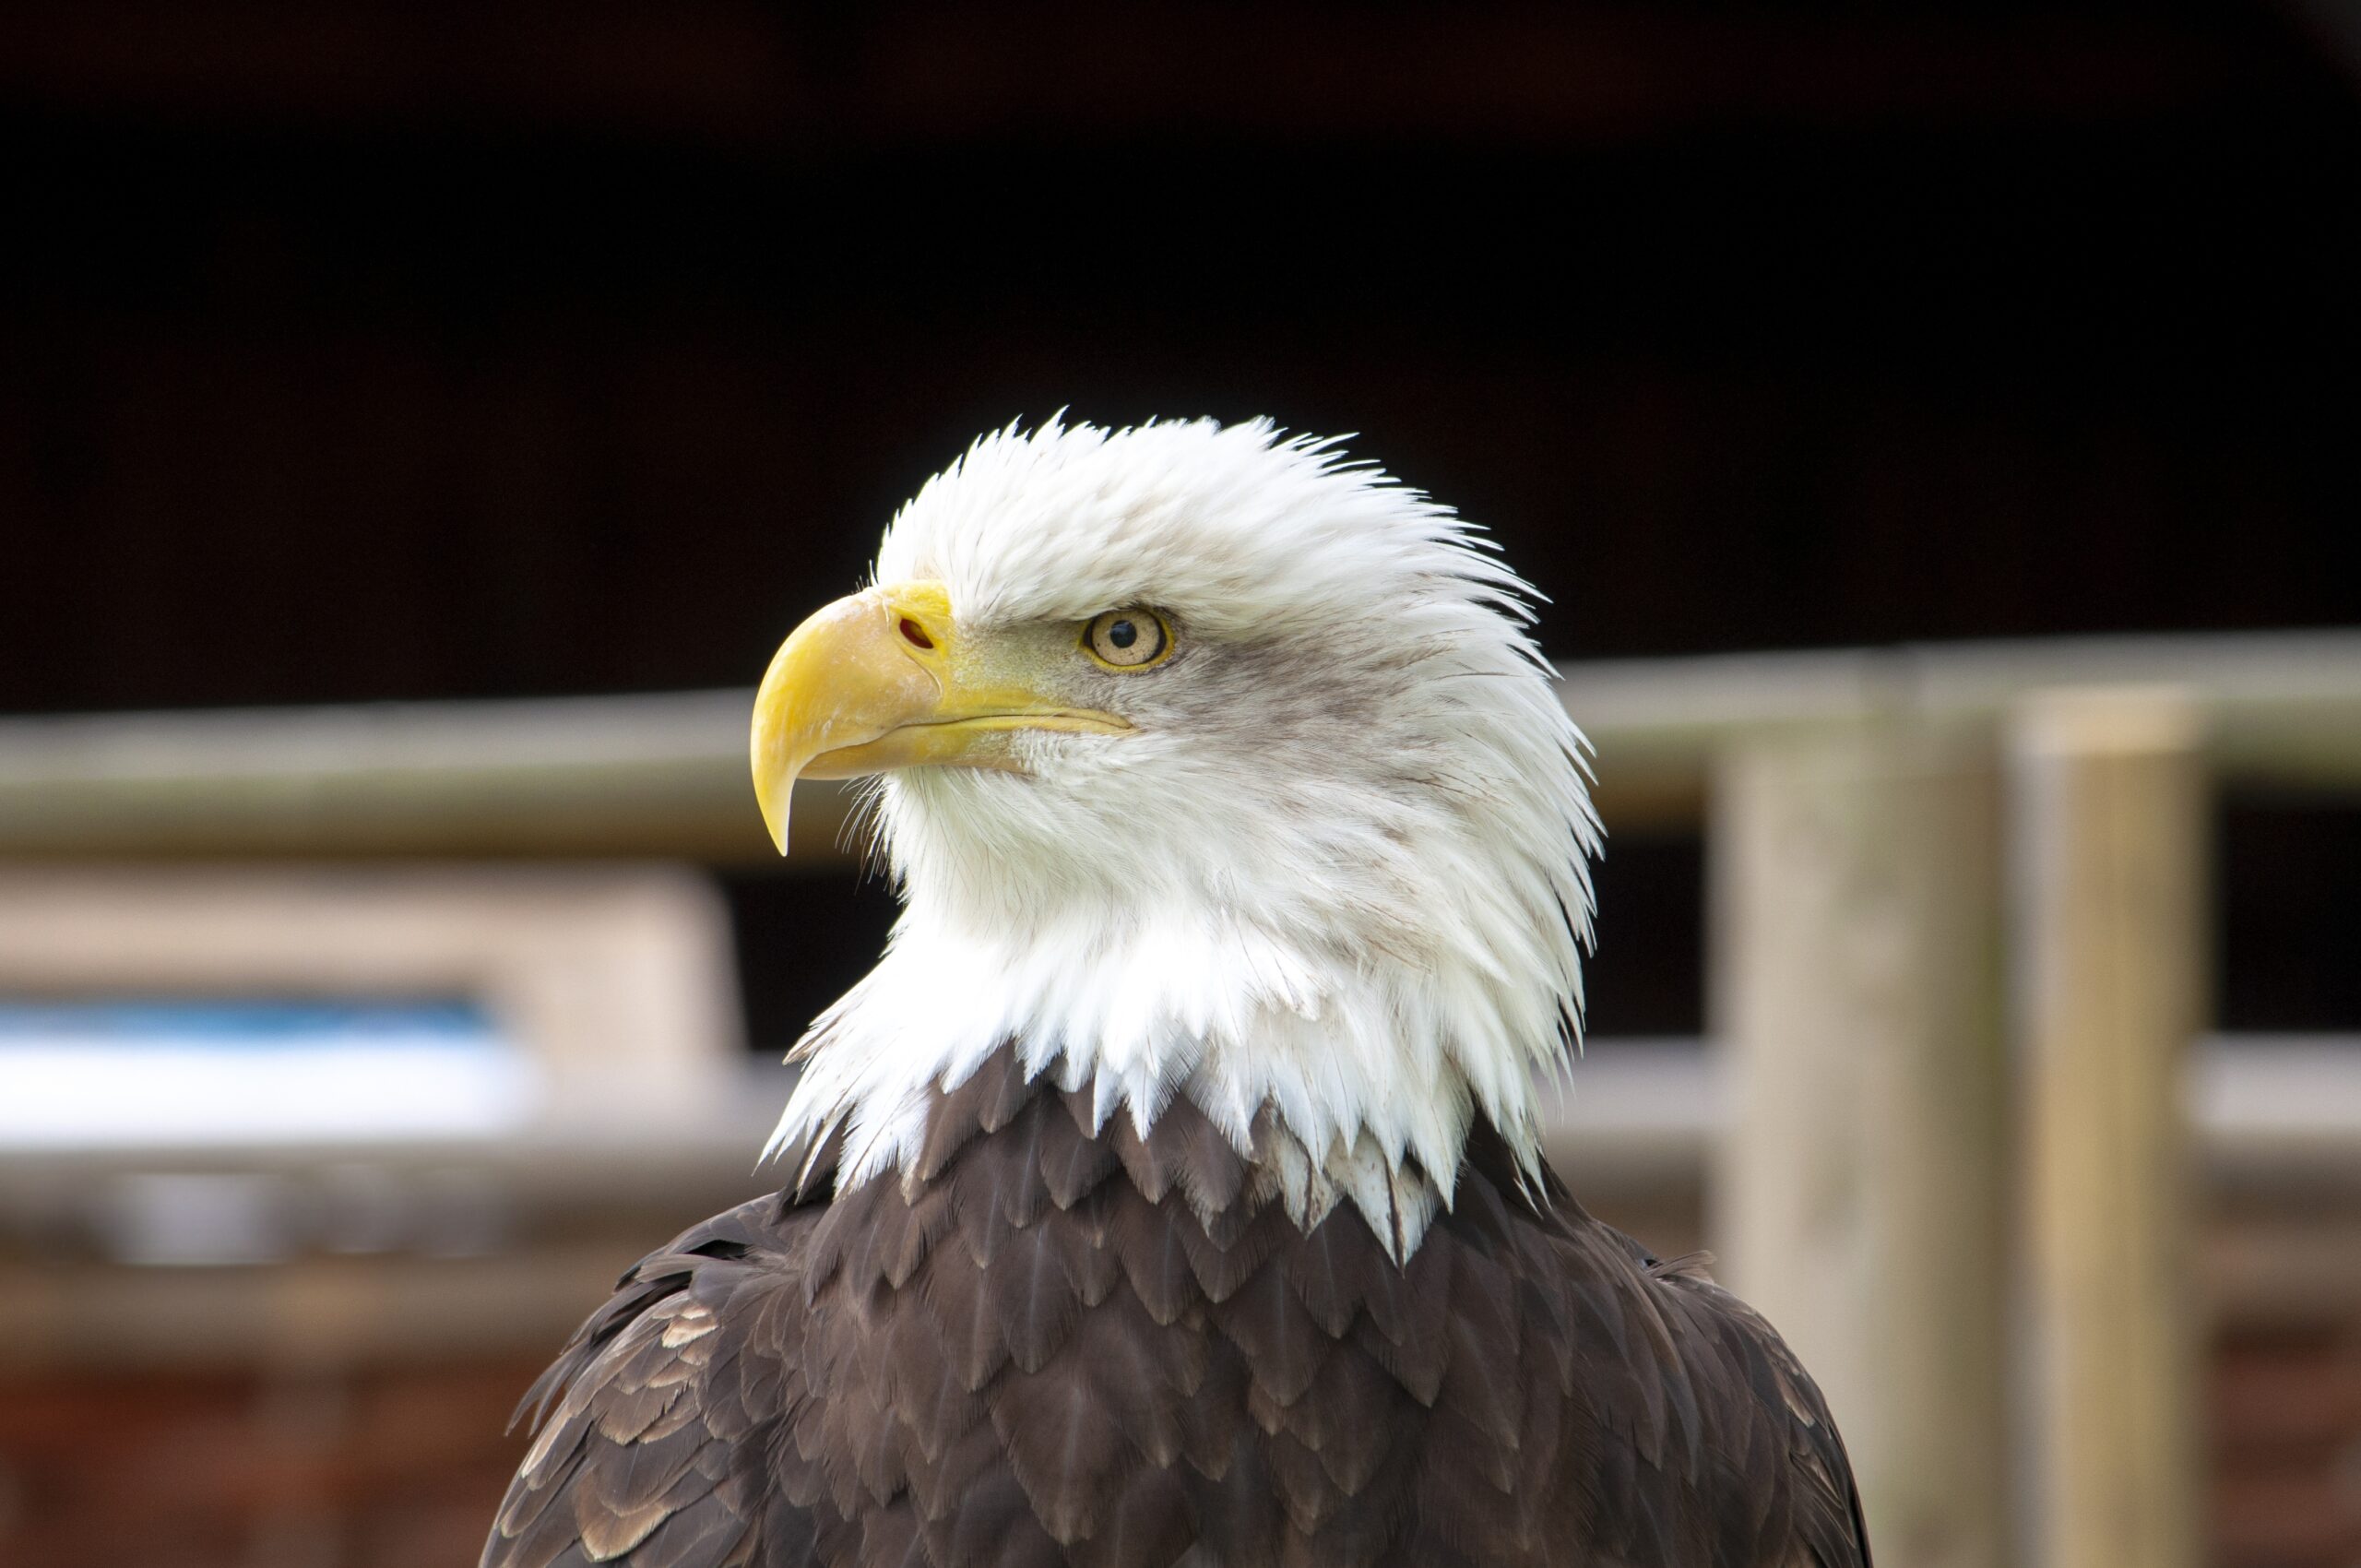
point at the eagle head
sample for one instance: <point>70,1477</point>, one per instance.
<point>1207,763</point>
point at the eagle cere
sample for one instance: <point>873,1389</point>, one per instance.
<point>1172,1191</point>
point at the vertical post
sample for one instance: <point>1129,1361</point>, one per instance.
<point>2107,817</point>
<point>1859,1200</point>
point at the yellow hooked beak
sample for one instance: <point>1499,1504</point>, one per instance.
<point>880,681</point>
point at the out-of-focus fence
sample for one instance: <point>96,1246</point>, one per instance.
<point>1956,1128</point>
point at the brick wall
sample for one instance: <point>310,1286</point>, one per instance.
<point>2286,1415</point>
<point>383,1469</point>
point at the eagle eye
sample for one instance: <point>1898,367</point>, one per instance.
<point>1127,639</point>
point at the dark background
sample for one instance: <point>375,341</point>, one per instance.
<point>450,350</point>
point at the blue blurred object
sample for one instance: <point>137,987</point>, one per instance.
<point>190,1071</point>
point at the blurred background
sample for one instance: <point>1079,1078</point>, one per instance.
<point>419,423</point>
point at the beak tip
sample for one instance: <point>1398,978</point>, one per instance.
<point>771,798</point>
<point>775,816</point>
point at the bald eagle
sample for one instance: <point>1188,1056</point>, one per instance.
<point>1171,1191</point>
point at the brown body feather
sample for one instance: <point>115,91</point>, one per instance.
<point>1052,1347</point>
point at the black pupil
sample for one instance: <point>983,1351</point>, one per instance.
<point>1122,633</point>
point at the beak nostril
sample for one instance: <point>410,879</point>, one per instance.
<point>915,634</point>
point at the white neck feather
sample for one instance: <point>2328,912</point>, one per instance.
<point>1346,1075</point>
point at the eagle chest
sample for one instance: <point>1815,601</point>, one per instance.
<point>1050,1345</point>
<point>1045,1344</point>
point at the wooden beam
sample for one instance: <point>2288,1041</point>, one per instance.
<point>1858,1198</point>
<point>2282,707</point>
<point>2107,807</point>
<point>666,774</point>
<point>607,776</point>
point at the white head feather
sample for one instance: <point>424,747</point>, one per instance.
<point>1333,889</point>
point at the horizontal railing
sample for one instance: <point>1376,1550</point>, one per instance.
<point>666,774</point>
